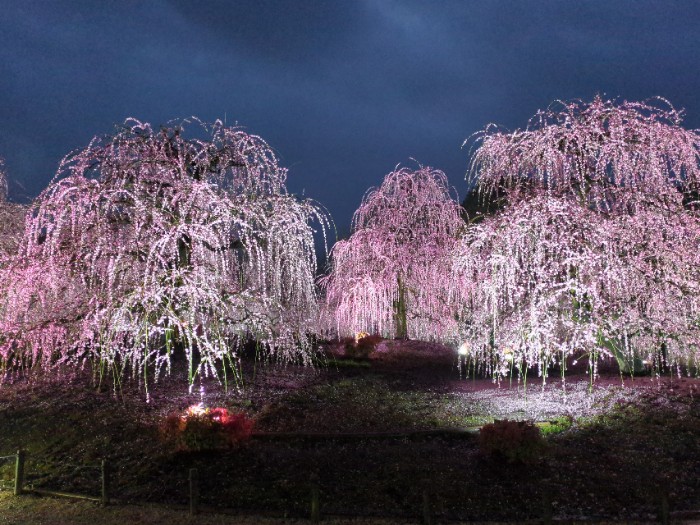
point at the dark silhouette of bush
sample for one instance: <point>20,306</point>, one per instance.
<point>516,441</point>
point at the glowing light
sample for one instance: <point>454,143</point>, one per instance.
<point>195,410</point>
<point>508,354</point>
<point>359,336</point>
<point>463,349</point>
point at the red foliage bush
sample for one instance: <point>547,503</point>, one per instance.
<point>517,441</point>
<point>206,429</point>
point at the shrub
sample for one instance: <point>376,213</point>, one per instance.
<point>206,429</point>
<point>556,425</point>
<point>517,441</point>
<point>362,345</point>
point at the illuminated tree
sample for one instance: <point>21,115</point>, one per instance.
<point>147,243</point>
<point>597,248</point>
<point>392,276</point>
<point>11,221</point>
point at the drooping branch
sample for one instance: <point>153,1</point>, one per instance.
<point>604,152</point>
<point>11,221</point>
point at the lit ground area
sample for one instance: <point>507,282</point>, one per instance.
<point>616,453</point>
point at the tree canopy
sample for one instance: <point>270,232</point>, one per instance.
<point>148,242</point>
<point>596,250</point>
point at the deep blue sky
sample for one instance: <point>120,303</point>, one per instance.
<point>343,90</point>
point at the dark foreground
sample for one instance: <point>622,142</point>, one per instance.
<point>629,450</point>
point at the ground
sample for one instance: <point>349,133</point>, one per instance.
<point>617,452</point>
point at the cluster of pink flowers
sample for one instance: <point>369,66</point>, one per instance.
<point>596,252</point>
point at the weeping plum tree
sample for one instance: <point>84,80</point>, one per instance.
<point>11,229</point>
<point>11,221</point>
<point>597,248</point>
<point>392,276</point>
<point>147,243</point>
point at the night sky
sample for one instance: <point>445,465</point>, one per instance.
<point>343,90</point>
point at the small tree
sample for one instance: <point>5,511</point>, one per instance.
<point>597,248</point>
<point>147,243</point>
<point>11,220</point>
<point>392,276</point>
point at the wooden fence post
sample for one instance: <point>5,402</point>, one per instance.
<point>315,499</point>
<point>664,508</point>
<point>547,508</point>
<point>194,492</point>
<point>427,516</point>
<point>104,475</point>
<point>547,512</point>
<point>19,472</point>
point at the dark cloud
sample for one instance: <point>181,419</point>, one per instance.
<point>268,30</point>
<point>344,91</point>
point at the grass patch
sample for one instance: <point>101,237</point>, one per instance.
<point>555,426</point>
<point>595,453</point>
<point>349,363</point>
